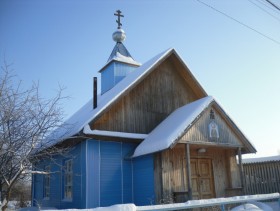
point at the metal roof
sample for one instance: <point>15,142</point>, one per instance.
<point>119,48</point>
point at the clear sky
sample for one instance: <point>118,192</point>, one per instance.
<point>234,53</point>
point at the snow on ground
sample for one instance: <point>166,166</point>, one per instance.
<point>275,205</point>
<point>249,202</point>
<point>253,206</point>
<point>118,207</point>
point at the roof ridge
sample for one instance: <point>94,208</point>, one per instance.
<point>86,114</point>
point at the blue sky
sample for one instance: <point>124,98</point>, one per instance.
<point>67,42</point>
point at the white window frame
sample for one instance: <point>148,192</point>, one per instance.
<point>47,182</point>
<point>68,180</point>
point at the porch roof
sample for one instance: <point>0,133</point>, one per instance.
<point>168,132</point>
<point>173,127</point>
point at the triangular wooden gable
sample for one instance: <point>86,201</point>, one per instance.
<point>228,136</point>
<point>167,87</point>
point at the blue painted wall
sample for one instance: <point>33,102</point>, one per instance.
<point>113,74</point>
<point>114,178</point>
<point>56,198</point>
<point>103,175</point>
<point>143,180</point>
<point>109,173</point>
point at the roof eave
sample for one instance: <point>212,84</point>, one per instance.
<point>136,64</point>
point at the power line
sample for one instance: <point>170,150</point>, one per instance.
<point>264,10</point>
<point>265,4</point>
<point>237,21</point>
<point>274,5</point>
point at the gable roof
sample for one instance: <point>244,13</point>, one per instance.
<point>75,124</point>
<point>168,132</point>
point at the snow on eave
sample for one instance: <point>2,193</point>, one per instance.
<point>87,114</point>
<point>169,131</point>
<point>162,136</point>
<point>128,61</point>
<point>261,159</point>
<point>88,131</point>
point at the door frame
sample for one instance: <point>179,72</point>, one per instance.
<point>211,172</point>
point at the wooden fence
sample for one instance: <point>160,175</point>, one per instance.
<point>262,177</point>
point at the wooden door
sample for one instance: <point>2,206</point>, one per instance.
<point>202,179</point>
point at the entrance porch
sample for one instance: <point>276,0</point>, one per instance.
<point>212,172</point>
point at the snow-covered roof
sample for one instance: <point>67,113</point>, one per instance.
<point>169,131</point>
<point>88,131</point>
<point>120,54</point>
<point>121,49</point>
<point>86,114</point>
<point>261,159</point>
<point>173,127</point>
<point>121,58</point>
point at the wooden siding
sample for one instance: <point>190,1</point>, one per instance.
<point>150,102</point>
<point>262,178</point>
<point>199,132</point>
<point>170,171</point>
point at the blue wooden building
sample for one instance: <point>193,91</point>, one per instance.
<point>152,136</point>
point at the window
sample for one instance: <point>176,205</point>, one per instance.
<point>47,180</point>
<point>68,179</point>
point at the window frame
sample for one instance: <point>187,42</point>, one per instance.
<point>68,180</point>
<point>47,183</point>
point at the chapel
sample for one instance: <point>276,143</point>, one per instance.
<point>151,135</point>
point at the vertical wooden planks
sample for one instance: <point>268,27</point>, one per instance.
<point>263,177</point>
<point>149,102</point>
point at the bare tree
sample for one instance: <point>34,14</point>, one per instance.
<point>26,120</point>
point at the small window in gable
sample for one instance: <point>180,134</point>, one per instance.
<point>47,181</point>
<point>68,179</point>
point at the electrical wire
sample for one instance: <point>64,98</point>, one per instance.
<point>237,21</point>
<point>264,10</point>
<point>274,5</point>
<point>265,4</point>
